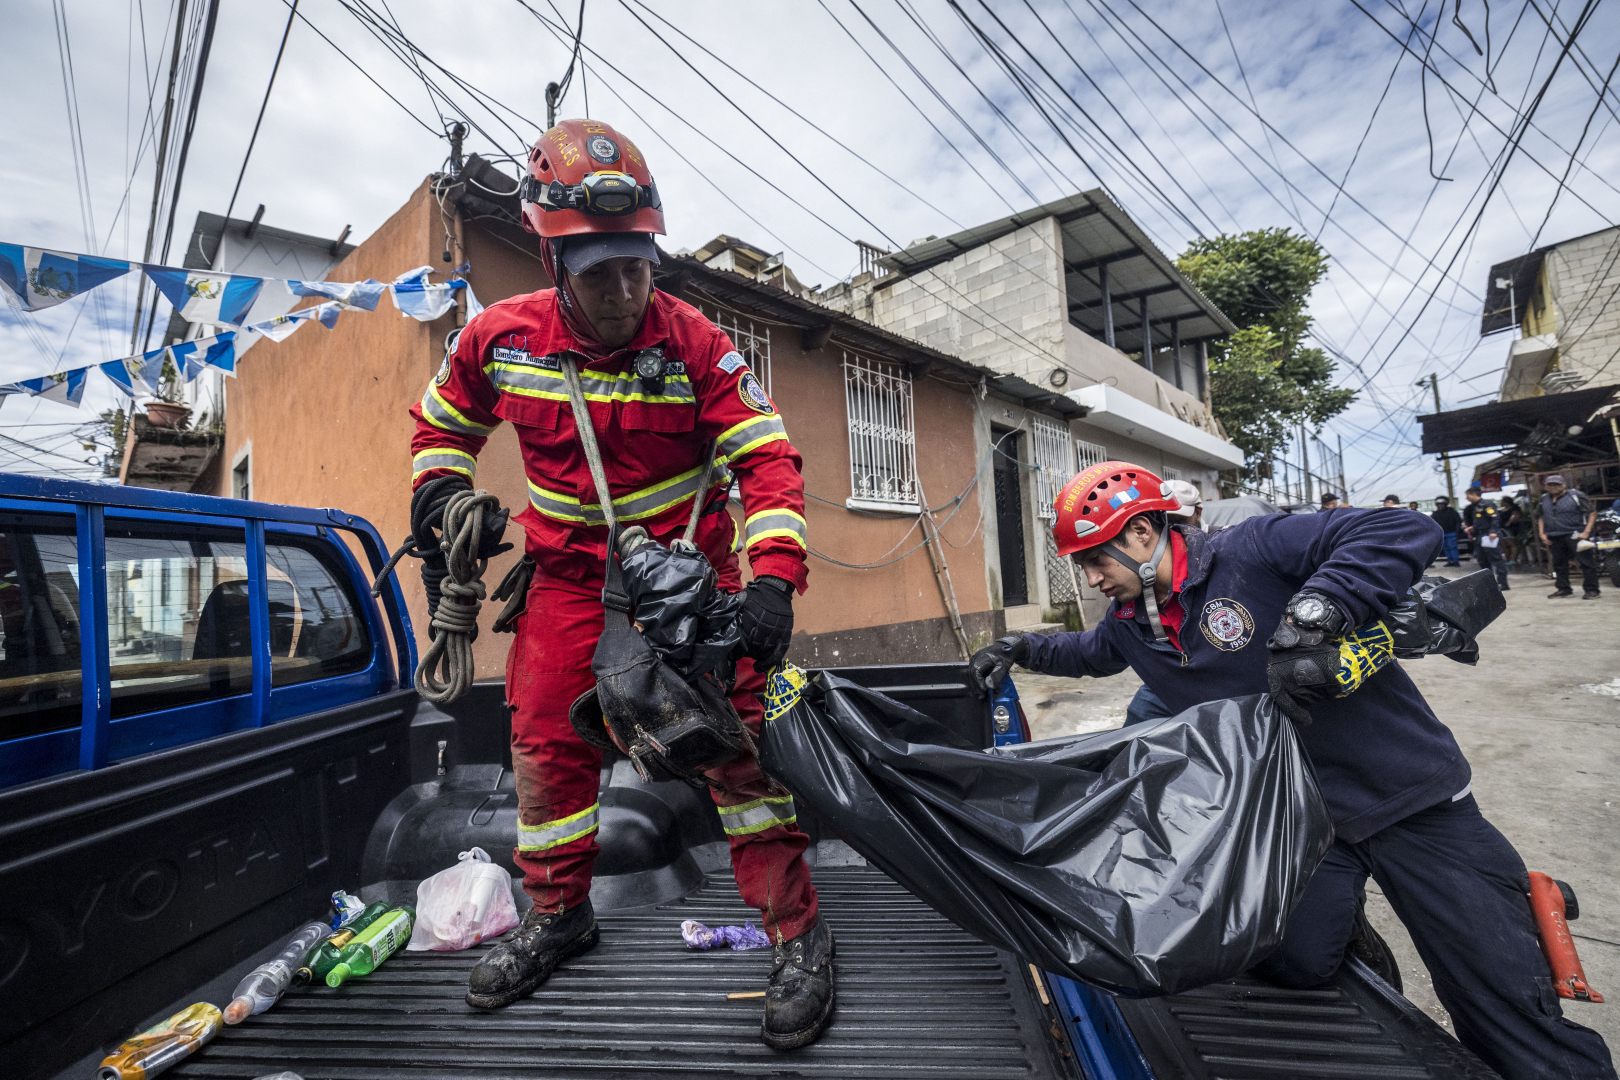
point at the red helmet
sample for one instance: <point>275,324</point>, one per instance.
<point>1095,505</point>
<point>584,177</point>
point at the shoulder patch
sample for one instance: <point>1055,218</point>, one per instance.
<point>753,395</point>
<point>730,362</point>
<point>1227,624</point>
<point>444,372</point>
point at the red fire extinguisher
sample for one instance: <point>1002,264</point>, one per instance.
<point>1548,903</point>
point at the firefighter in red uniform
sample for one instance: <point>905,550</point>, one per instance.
<point>662,384</point>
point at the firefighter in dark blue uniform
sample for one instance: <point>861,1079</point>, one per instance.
<point>1190,615</point>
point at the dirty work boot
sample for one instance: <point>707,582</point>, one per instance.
<point>1368,946</point>
<point>518,965</point>
<point>799,999</point>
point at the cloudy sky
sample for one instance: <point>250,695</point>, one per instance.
<point>804,126</point>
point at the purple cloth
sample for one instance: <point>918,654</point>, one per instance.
<point>699,936</point>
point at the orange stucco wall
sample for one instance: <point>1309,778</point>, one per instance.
<point>324,416</point>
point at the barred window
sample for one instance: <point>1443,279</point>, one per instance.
<point>882,433</point>
<point>1054,462</point>
<point>752,340</point>
<point>1090,454</point>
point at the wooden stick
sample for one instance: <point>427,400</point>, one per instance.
<point>749,994</point>
<point>1040,984</point>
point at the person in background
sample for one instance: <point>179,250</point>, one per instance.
<point>1192,503</point>
<point>1412,505</point>
<point>1330,500</point>
<point>1567,517</point>
<point>1445,515</point>
<point>1392,502</point>
<point>1482,520</point>
<point>1511,519</point>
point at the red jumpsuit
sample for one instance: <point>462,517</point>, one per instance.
<point>505,368</point>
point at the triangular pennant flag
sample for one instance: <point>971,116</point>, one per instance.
<point>202,296</point>
<point>281,327</point>
<point>40,278</point>
<point>66,387</point>
<point>151,369</point>
<point>359,295</point>
<point>328,313</point>
<point>118,371</point>
<point>221,353</point>
<point>416,297</point>
<point>473,306</point>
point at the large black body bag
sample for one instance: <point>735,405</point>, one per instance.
<point>1148,860</point>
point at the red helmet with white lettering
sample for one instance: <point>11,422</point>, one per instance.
<point>584,177</point>
<point>1094,506</point>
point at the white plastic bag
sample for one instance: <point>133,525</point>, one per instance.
<point>459,907</point>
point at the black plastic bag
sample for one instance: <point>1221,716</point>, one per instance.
<point>1444,616</point>
<point>687,619</point>
<point>1148,860</point>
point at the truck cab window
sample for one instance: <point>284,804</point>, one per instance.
<point>177,616</point>
<point>39,615</point>
<point>316,630</point>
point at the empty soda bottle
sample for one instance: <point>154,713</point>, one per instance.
<point>320,959</point>
<point>176,1039</point>
<point>264,985</point>
<point>373,945</point>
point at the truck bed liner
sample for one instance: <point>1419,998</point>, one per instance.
<point>917,997</point>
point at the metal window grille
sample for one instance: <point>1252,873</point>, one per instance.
<point>1054,463</point>
<point>753,342</point>
<point>1090,454</point>
<point>1059,585</point>
<point>882,432</point>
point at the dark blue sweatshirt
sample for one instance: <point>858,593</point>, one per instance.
<point>1380,754</point>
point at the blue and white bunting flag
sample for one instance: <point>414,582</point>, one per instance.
<point>122,377</point>
<point>415,296</point>
<point>359,295</point>
<point>202,296</point>
<point>39,278</point>
<point>218,351</point>
<point>66,387</point>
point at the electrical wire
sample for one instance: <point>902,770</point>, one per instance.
<point>262,106</point>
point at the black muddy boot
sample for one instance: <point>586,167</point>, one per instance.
<point>1368,946</point>
<point>526,958</point>
<point>799,999</point>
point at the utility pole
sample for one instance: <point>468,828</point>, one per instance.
<point>157,175</point>
<point>1305,463</point>
<point>1451,490</point>
<point>1344,492</point>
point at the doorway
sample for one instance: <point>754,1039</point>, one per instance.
<point>1010,518</point>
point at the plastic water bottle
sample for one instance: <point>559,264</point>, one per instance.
<point>373,945</point>
<point>174,1040</point>
<point>320,959</point>
<point>265,984</point>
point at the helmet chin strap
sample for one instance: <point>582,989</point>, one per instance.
<point>1149,573</point>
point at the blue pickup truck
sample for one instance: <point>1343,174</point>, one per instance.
<point>207,725</point>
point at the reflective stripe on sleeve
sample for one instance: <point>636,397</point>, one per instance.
<point>444,457</point>
<point>750,435</point>
<point>645,503</point>
<point>552,834</point>
<point>768,523</point>
<point>757,816</point>
<point>441,414</point>
<point>535,380</point>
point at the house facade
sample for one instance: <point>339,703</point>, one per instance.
<point>1559,300</point>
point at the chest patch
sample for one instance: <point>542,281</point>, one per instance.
<point>730,362</point>
<point>1227,624</point>
<point>506,354</point>
<point>753,395</point>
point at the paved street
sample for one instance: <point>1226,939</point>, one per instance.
<point>1538,717</point>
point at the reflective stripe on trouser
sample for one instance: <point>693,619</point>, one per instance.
<point>757,815</point>
<point>550,834</point>
<point>558,774</point>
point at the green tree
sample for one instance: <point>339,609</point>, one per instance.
<point>1264,381</point>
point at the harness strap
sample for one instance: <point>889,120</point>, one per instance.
<point>1149,573</point>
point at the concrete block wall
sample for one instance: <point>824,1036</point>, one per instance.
<point>1000,305</point>
<point>1584,280</point>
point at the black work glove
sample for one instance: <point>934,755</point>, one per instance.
<point>991,663</point>
<point>765,621</point>
<point>427,525</point>
<point>1305,655</point>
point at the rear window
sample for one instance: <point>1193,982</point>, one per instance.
<point>316,630</point>
<point>39,611</point>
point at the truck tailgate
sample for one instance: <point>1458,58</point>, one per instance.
<point>916,998</point>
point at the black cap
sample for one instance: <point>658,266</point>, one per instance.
<point>585,250</point>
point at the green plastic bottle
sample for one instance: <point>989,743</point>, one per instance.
<point>373,945</point>
<point>321,958</point>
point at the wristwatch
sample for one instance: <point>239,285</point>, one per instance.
<point>1313,611</point>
